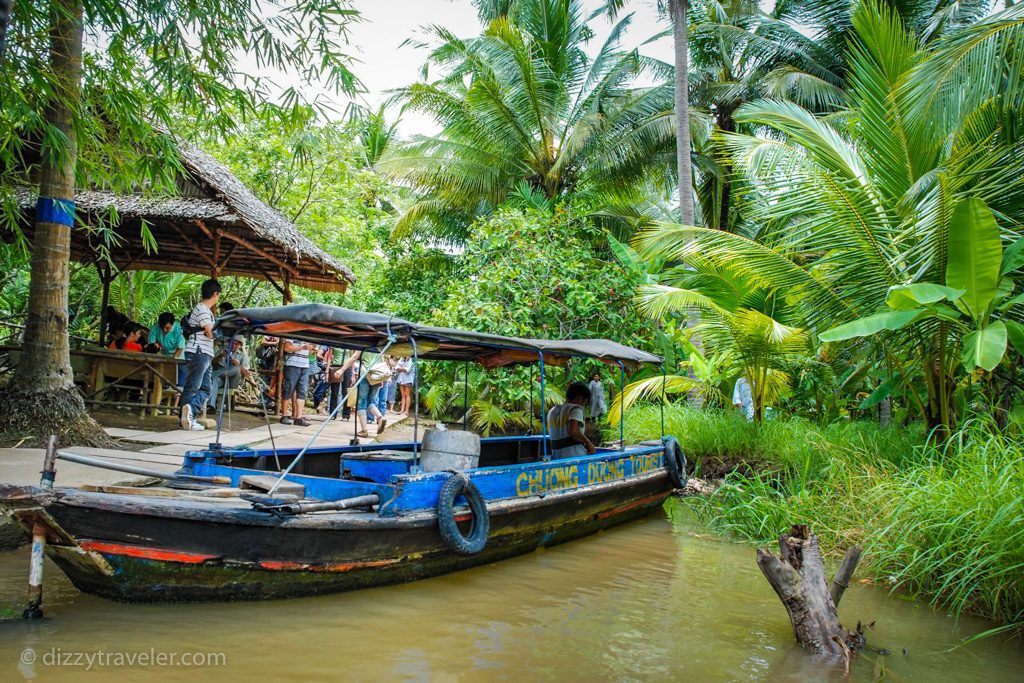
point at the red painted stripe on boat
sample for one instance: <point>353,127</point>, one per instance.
<point>145,553</point>
<point>629,506</point>
<point>282,565</point>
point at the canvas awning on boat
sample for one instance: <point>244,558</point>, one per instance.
<point>359,330</point>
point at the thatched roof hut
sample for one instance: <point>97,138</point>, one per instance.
<point>214,226</point>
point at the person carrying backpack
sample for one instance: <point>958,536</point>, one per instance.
<point>197,328</point>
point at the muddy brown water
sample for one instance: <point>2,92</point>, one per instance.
<point>654,600</point>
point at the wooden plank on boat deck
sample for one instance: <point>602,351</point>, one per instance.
<point>259,482</point>
<point>132,490</point>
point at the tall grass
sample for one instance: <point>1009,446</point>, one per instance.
<point>945,523</point>
<point>716,442</point>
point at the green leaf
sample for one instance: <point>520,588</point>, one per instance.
<point>944,311</point>
<point>984,348</point>
<point>1015,331</point>
<point>872,324</point>
<point>1010,303</point>
<point>878,395</point>
<point>627,257</point>
<point>1013,257</point>
<point>975,253</point>
<point>906,297</point>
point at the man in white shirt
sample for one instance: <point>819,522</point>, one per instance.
<point>199,356</point>
<point>597,404</point>
<point>565,424</point>
<point>295,380</point>
<point>743,398</point>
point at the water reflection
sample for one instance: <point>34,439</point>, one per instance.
<point>653,600</point>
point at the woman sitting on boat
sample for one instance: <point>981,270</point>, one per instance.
<point>565,424</point>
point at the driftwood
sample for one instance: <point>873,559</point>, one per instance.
<point>798,577</point>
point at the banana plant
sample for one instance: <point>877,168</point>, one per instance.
<point>968,312</point>
<point>972,302</point>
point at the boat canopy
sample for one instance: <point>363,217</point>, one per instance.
<point>358,330</point>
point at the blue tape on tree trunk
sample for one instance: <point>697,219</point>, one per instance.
<point>60,211</point>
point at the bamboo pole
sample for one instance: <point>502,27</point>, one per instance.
<point>35,571</point>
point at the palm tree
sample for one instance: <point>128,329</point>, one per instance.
<point>524,102</point>
<point>680,45</point>
<point>753,330</point>
<point>677,14</point>
<point>853,204</point>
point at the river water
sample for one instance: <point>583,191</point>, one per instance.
<point>654,600</point>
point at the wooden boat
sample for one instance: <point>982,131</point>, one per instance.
<point>362,515</point>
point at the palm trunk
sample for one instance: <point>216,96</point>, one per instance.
<point>42,398</point>
<point>677,8</point>
<point>726,124</point>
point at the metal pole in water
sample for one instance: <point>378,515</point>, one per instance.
<point>35,570</point>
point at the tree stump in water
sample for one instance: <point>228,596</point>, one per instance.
<point>798,577</point>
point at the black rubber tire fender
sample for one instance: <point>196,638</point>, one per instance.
<point>456,485</point>
<point>675,462</point>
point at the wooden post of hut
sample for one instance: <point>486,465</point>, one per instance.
<point>106,277</point>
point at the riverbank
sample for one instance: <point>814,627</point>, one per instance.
<point>946,525</point>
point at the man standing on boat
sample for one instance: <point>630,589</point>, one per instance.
<point>565,424</point>
<point>199,352</point>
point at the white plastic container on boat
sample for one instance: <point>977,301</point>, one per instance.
<point>449,450</point>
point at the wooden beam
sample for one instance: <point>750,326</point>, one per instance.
<point>262,252</point>
<point>206,230</point>
<point>270,279</point>
<point>222,263</point>
<point>216,255</point>
<point>195,247</point>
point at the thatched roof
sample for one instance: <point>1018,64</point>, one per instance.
<point>215,225</point>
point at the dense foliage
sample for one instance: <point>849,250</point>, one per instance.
<point>524,105</point>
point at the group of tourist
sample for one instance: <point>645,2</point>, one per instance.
<point>209,363</point>
<point>336,375</point>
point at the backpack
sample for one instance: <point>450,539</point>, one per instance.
<point>188,330</point>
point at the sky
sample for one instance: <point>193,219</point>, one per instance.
<point>383,64</point>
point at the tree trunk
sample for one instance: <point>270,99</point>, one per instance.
<point>42,398</point>
<point>726,124</point>
<point>798,577</point>
<point>677,8</point>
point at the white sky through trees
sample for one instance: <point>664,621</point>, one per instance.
<point>385,24</point>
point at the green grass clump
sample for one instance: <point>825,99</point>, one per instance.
<point>946,522</point>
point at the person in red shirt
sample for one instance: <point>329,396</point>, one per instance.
<point>130,342</point>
